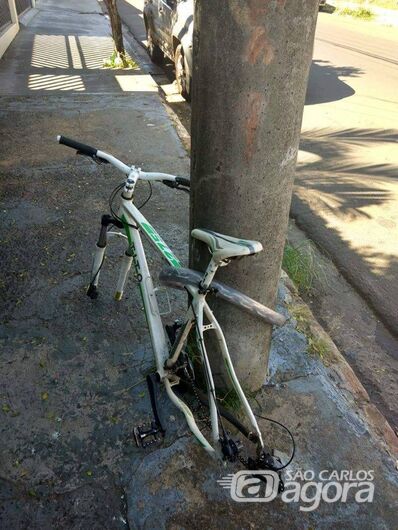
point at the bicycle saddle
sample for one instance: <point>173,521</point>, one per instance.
<point>224,247</point>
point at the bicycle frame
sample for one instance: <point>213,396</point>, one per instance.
<point>198,285</point>
<point>134,222</point>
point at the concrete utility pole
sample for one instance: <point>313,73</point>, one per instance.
<point>251,65</point>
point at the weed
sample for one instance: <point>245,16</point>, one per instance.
<point>303,316</point>
<point>121,61</point>
<point>299,263</point>
<point>318,347</point>
<point>230,400</point>
<point>359,12</point>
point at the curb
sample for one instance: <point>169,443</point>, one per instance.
<point>26,18</point>
<point>138,50</point>
<point>345,379</point>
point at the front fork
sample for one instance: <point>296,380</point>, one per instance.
<point>99,256</point>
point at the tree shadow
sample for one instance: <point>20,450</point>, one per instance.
<point>333,182</point>
<point>374,274</point>
<point>325,85</point>
<point>336,174</point>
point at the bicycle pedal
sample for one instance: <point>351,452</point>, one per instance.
<point>92,291</point>
<point>146,436</point>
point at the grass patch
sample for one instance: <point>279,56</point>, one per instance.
<point>120,61</point>
<point>363,13</point>
<point>317,346</point>
<point>386,4</point>
<point>230,400</point>
<point>226,397</point>
<point>303,316</point>
<point>300,265</point>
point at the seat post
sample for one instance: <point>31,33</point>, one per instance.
<point>209,274</point>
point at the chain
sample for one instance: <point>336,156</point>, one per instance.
<point>243,461</point>
<point>200,408</point>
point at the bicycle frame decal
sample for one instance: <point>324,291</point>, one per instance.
<point>161,245</point>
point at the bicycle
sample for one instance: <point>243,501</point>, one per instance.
<point>175,367</point>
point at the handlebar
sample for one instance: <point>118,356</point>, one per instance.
<point>170,180</point>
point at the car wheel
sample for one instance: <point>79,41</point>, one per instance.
<point>181,73</point>
<point>154,52</point>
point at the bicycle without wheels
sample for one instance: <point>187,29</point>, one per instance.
<point>175,368</point>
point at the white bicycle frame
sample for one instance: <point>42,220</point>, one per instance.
<point>134,224</point>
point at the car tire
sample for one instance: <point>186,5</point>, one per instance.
<point>181,73</point>
<point>154,52</point>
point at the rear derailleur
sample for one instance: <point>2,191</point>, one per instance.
<point>266,461</point>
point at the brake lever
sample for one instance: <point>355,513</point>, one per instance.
<point>175,185</point>
<point>94,158</point>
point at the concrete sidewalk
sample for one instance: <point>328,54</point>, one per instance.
<point>62,50</point>
<point>72,371</point>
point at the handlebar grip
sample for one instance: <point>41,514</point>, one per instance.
<point>182,181</point>
<point>80,148</point>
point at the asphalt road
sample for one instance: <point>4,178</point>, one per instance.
<point>346,195</point>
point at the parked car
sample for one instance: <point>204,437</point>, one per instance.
<point>169,29</point>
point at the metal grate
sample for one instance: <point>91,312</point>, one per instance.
<point>5,16</point>
<point>21,5</point>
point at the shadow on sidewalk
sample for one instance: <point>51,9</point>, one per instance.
<point>64,51</point>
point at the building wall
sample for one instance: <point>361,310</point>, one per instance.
<point>9,26</point>
<point>5,15</point>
